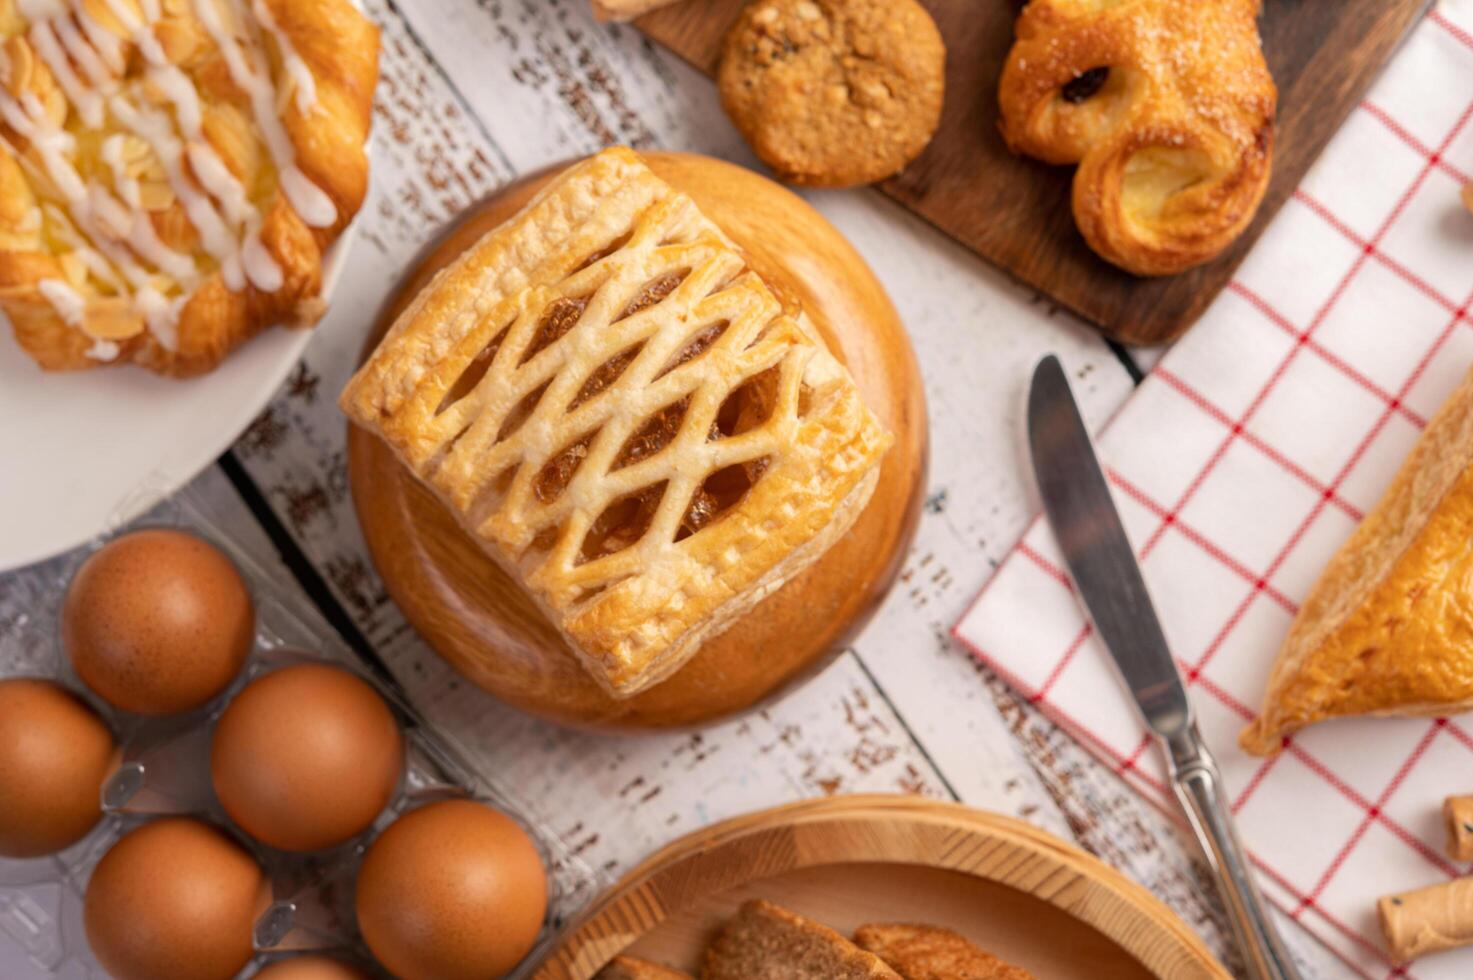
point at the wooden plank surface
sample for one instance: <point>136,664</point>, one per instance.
<point>475,92</point>
<point>1016,213</point>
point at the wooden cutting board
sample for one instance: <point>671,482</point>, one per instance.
<point>1015,212</point>
<point>849,860</point>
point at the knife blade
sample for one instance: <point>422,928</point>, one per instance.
<point>1097,552</point>
<point>1102,565</point>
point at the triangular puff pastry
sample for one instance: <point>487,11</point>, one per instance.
<point>624,416</point>
<point>1388,628</point>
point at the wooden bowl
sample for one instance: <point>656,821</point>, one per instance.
<point>478,619</point>
<point>845,861</point>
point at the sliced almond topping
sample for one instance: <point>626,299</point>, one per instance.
<point>111,318</point>
<point>229,133</point>
<point>155,195</point>
<point>73,269</point>
<point>16,68</point>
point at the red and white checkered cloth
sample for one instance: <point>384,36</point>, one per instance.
<point>1239,466</point>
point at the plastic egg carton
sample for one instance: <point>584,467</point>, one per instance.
<point>165,770</point>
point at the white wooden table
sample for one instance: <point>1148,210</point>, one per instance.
<point>474,92</point>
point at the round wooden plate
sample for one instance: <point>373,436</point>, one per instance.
<point>846,861</point>
<point>479,620</point>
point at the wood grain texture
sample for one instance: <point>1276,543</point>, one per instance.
<point>481,621</point>
<point>1016,213</point>
<point>1016,891</point>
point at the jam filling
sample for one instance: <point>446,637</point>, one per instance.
<point>653,292</point>
<point>608,372</point>
<point>622,524</point>
<point>559,317</point>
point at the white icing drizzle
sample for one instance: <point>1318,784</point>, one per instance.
<point>296,69</point>
<point>126,186</point>
<point>250,74</point>
<point>66,301</point>
<point>103,350</point>
<point>33,222</point>
<point>108,228</point>
<point>101,217</point>
<point>179,90</point>
<point>80,50</point>
<point>107,44</point>
<point>154,128</point>
<point>260,267</point>
<point>88,101</point>
<point>33,10</point>
<point>308,200</point>
<point>216,178</point>
<point>161,314</point>
<point>97,266</point>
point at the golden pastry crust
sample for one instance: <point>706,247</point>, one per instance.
<point>764,941</point>
<point>625,417</point>
<point>1168,108</point>
<point>1388,627</point>
<point>933,953</point>
<point>171,171</point>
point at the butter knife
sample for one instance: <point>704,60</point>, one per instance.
<point>1102,565</point>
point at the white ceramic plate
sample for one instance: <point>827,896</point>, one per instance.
<point>81,451</point>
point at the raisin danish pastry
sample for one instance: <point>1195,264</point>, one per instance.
<point>625,416</point>
<point>171,171</point>
<point>1167,108</point>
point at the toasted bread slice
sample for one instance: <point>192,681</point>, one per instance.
<point>629,968</point>
<point>934,953</point>
<point>765,942</point>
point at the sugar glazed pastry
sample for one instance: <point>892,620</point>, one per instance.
<point>1167,108</point>
<point>1388,627</point>
<point>834,93</point>
<point>625,416</point>
<point>171,171</point>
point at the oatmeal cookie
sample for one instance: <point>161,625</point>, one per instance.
<point>833,93</point>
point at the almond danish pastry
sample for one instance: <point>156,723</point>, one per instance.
<point>1167,108</point>
<point>625,416</point>
<point>172,171</point>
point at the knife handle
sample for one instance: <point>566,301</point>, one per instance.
<point>1198,785</point>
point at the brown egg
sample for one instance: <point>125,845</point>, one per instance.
<point>55,753</point>
<point>157,622</point>
<point>174,898</point>
<point>310,968</point>
<point>452,890</point>
<point>306,757</point>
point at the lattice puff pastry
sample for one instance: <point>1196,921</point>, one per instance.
<point>624,415</point>
<point>1167,107</point>
<point>171,171</point>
